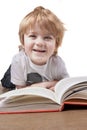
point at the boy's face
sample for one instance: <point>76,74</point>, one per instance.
<point>39,46</point>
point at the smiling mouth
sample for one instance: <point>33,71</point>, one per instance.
<point>39,50</point>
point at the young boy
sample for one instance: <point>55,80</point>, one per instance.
<point>37,64</point>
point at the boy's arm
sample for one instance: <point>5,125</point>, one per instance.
<point>48,85</point>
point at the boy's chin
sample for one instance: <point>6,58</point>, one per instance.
<point>39,61</point>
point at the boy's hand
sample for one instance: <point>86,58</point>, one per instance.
<point>49,85</point>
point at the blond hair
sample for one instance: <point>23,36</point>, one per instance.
<point>47,21</point>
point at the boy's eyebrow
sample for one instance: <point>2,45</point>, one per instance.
<point>32,32</point>
<point>46,33</point>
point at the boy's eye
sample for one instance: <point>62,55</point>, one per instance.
<point>47,37</point>
<point>32,36</point>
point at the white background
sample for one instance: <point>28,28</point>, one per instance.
<point>72,12</point>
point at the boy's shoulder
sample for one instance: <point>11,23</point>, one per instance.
<point>56,61</point>
<point>20,56</point>
<point>56,58</point>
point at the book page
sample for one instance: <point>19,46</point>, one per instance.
<point>77,95</point>
<point>67,83</point>
<point>29,104</point>
<point>80,88</point>
<point>38,91</point>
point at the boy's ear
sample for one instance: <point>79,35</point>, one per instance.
<point>20,47</point>
<point>55,51</point>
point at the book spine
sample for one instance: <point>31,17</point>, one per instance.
<point>29,111</point>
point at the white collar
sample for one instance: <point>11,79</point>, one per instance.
<point>39,68</point>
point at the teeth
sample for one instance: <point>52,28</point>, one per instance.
<point>39,50</point>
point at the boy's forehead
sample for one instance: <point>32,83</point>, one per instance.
<point>37,28</point>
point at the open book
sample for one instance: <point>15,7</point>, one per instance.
<point>72,91</point>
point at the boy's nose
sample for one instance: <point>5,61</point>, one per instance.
<point>40,41</point>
